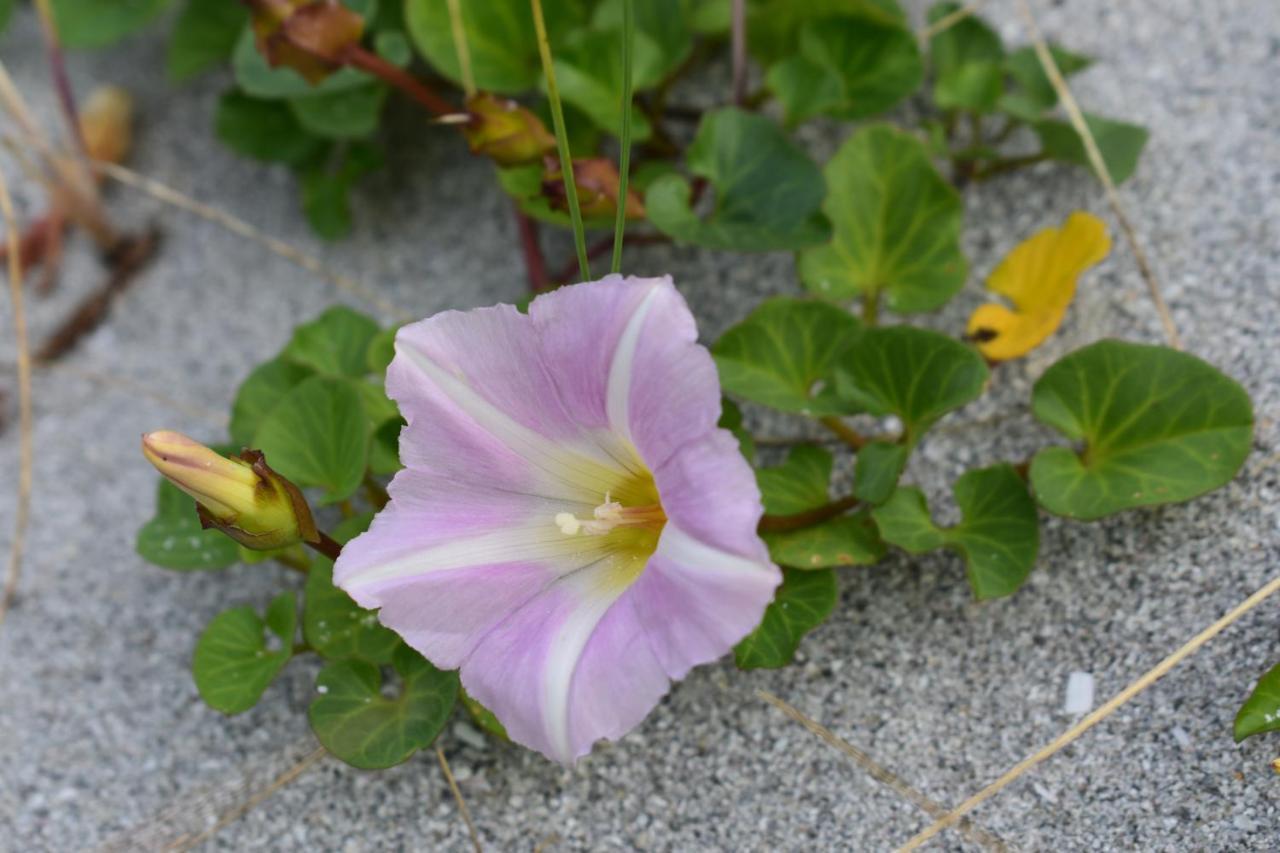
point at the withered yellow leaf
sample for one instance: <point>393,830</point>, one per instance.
<point>1039,277</point>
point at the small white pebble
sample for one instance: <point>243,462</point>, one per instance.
<point>1045,794</point>
<point>1079,699</point>
<point>1181,736</point>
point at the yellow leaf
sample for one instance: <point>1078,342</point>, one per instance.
<point>1039,278</point>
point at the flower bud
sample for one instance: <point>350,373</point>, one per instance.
<point>597,181</point>
<point>241,496</point>
<point>505,131</point>
<point>309,36</point>
<point>106,124</point>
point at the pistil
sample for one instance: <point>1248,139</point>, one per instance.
<point>610,515</point>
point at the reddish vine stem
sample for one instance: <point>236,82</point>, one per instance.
<point>327,546</point>
<point>534,262</point>
<point>357,57</point>
<point>847,434</point>
<point>800,520</point>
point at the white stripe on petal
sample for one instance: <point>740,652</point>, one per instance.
<point>701,558</point>
<point>597,594</point>
<point>618,391</point>
<point>543,543</point>
<point>583,467</point>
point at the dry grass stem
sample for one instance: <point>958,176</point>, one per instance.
<point>22,516</point>
<point>457,796</point>
<point>1098,715</point>
<point>1100,168</point>
<point>881,774</point>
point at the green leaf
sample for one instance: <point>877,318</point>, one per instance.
<point>96,23</point>
<point>801,603</point>
<point>382,348</point>
<point>775,25</point>
<point>974,86</point>
<point>257,78</point>
<point>348,114</point>
<point>1158,426</point>
<point>1035,95</point>
<point>968,40</point>
<point>1120,143</point>
<point>849,67</point>
<point>998,538</point>
<point>848,540</point>
<point>665,23</point>
<point>799,484</point>
<point>879,466</point>
<point>359,724</point>
<point>338,628</point>
<point>325,190</point>
<point>394,47</point>
<point>173,538</point>
<point>767,190</point>
<point>731,419</point>
<point>204,35</point>
<point>1261,711</point>
<point>334,344</point>
<point>384,450</point>
<point>916,374</point>
<point>6,9</point>
<point>318,436</point>
<point>590,77</point>
<point>500,38</point>
<point>897,225</point>
<point>259,394</point>
<point>263,130</point>
<point>234,664</point>
<point>784,355</point>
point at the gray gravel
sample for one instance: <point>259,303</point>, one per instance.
<point>103,738</point>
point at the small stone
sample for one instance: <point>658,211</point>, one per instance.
<point>1079,699</point>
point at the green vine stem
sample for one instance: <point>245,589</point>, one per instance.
<point>624,163</point>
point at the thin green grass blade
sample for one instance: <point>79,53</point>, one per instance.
<point>624,164</point>
<point>562,139</point>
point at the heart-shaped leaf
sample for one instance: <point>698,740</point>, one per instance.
<point>358,723</point>
<point>849,67</point>
<point>802,483</point>
<point>802,602</point>
<point>233,663</point>
<point>767,190</point>
<point>897,226</point>
<point>318,436</point>
<point>263,130</point>
<point>1158,426</point>
<point>1035,95</point>
<point>776,25</point>
<point>878,468</point>
<point>94,23</point>
<point>335,626</point>
<point>204,36</point>
<point>916,374</point>
<point>848,540</point>
<point>350,114</point>
<point>334,344</point>
<point>799,484</point>
<point>998,538</point>
<point>967,62</point>
<point>260,393</point>
<point>590,77</point>
<point>783,355</point>
<point>1119,142</point>
<point>1261,711</point>
<point>173,538</point>
<point>500,39</point>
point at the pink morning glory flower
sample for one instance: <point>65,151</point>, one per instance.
<point>571,529</point>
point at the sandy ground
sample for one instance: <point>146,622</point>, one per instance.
<point>103,738</point>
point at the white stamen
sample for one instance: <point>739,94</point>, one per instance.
<point>568,523</point>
